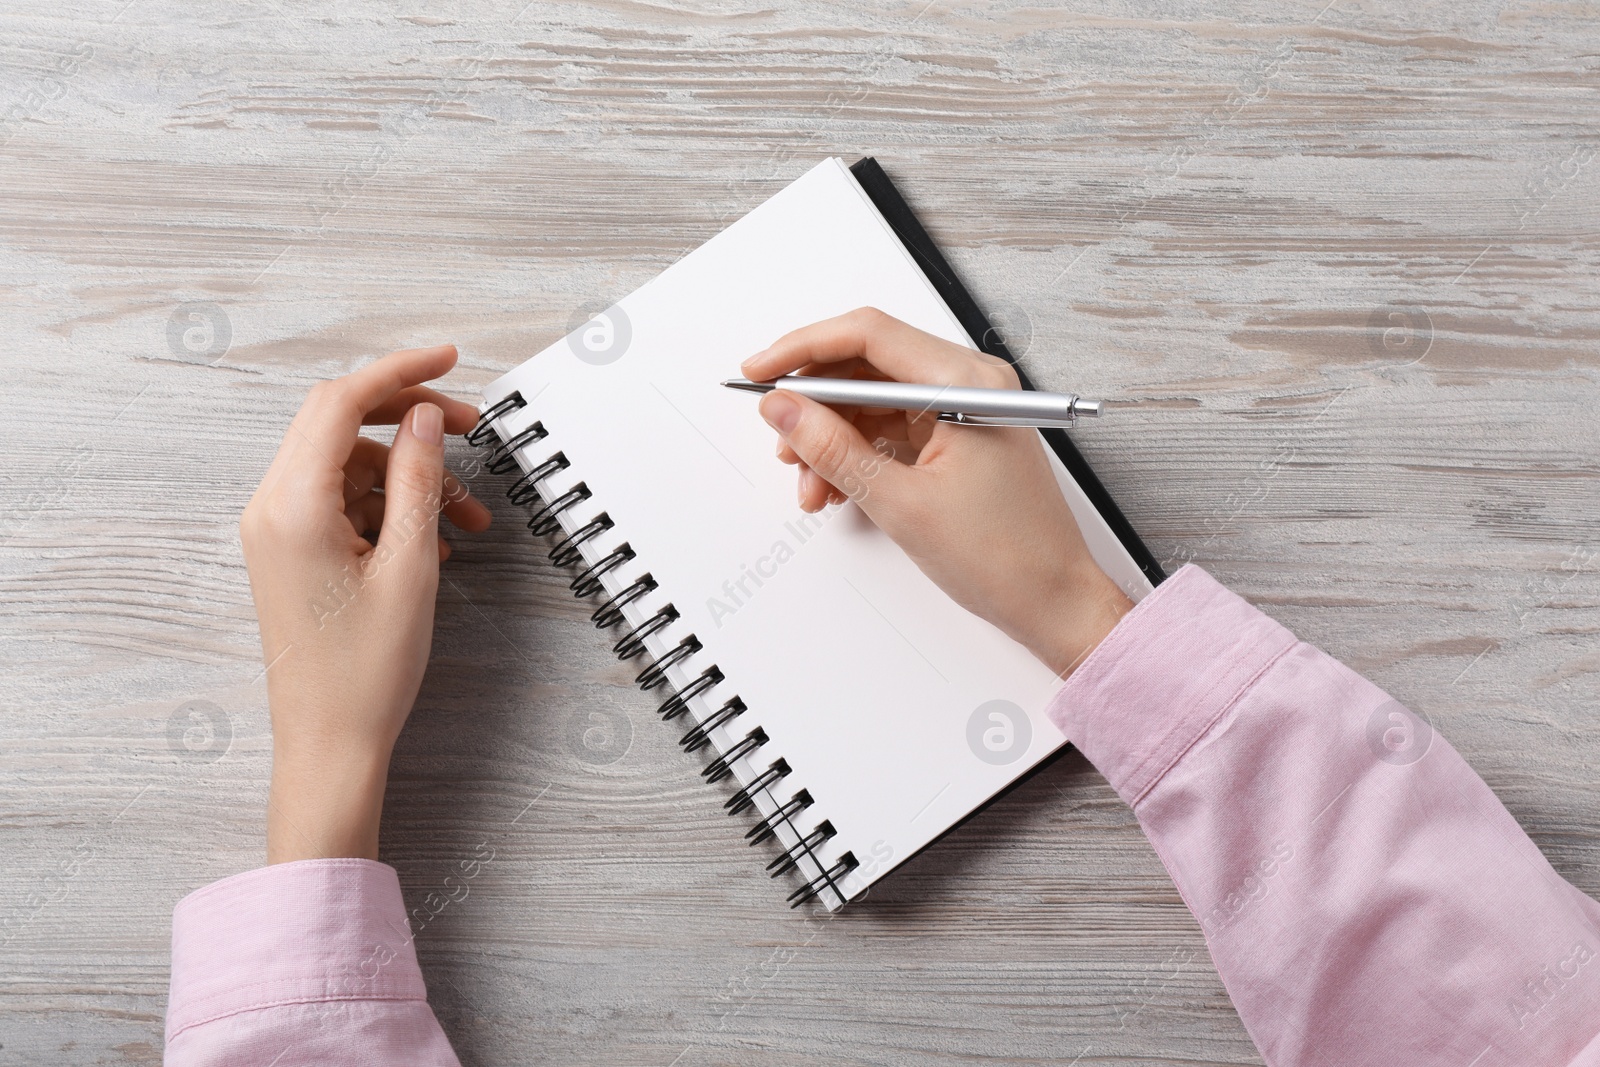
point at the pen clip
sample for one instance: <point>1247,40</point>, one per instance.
<point>1006,420</point>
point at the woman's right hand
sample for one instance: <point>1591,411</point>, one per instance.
<point>977,508</point>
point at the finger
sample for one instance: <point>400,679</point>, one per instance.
<point>365,513</point>
<point>414,492</point>
<point>465,511</point>
<point>890,346</point>
<point>444,550</point>
<point>832,448</point>
<point>325,430</point>
<point>367,471</point>
<point>893,426</point>
<point>366,468</point>
<point>459,417</point>
<point>847,368</point>
<point>813,491</point>
<point>920,430</point>
<point>787,454</point>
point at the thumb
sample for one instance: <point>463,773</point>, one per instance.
<point>831,446</point>
<point>413,488</point>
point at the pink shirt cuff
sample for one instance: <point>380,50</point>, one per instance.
<point>265,939</point>
<point>1130,713</point>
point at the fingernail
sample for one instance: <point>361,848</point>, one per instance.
<point>427,422</point>
<point>781,412</point>
<point>754,358</point>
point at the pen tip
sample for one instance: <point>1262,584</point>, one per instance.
<point>748,386</point>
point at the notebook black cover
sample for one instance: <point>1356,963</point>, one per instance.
<point>893,207</point>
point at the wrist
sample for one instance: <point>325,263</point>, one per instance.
<point>325,805</point>
<point>1073,624</point>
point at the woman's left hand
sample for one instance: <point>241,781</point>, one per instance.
<point>347,621</point>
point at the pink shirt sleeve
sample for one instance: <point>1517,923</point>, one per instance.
<point>1365,897</point>
<point>308,962</point>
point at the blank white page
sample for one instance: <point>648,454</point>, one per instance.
<point>898,711</point>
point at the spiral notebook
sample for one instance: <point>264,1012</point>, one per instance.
<point>850,709</point>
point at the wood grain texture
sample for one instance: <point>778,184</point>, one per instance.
<point>1337,265</point>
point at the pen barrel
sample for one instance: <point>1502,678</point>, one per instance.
<point>907,396</point>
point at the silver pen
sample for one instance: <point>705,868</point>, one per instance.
<point>954,403</point>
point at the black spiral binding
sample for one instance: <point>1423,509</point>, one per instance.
<point>632,643</point>
<point>722,766</point>
<point>546,519</point>
<point>746,797</point>
<point>791,857</point>
<point>504,456</point>
<point>566,550</point>
<point>499,409</point>
<point>609,614</point>
<point>828,879</point>
<point>523,492</point>
<point>588,583</point>
<point>655,675</point>
<point>769,826</point>
<point>700,736</point>
<point>678,703</point>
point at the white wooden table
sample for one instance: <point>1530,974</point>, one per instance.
<point>1337,265</point>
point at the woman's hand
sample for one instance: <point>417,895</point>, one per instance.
<point>346,623</point>
<point>977,508</point>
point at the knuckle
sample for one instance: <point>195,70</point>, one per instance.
<point>249,528</point>
<point>854,481</point>
<point>331,395</point>
<point>417,479</point>
<point>275,518</point>
<point>417,504</point>
<point>868,319</point>
<point>986,373</point>
<point>415,497</point>
<point>322,393</point>
<point>1004,375</point>
<point>830,452</point>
